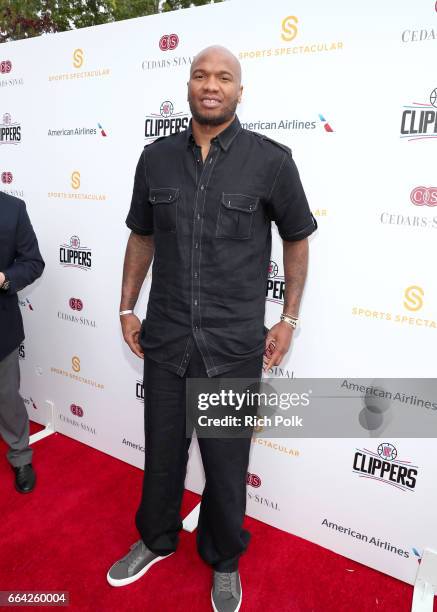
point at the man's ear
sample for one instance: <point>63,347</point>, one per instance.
<point>240,94</point>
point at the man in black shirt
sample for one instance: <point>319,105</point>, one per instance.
<point>202,206</point>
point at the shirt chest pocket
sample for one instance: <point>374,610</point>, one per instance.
<point>235,216</point>
<point>164,201</point>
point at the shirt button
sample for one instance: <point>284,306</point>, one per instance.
<point>195,302</point>
<point>196,328</point>
<point>202,187</point>
<point>196,246</point>
<point>198,216</point>
<point>195,275</point>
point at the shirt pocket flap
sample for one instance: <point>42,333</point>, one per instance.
<point>163,195</point>
<point>239,201</point>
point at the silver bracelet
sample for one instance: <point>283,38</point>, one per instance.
<point>125,312</point>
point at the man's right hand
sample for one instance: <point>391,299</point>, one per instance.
<point>130,326</point>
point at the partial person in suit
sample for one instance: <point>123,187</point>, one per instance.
<point>20,265</point>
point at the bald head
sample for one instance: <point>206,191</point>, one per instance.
<point>214,88</point>
<point>216,53</point>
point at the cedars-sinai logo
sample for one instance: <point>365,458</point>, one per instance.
<point>76,410</point>
<point>168,42</point>
<point>75,304</point>
<point>5,66</point>
<point>253,480</point>
<point>7,178</point>
<point>424,196</point>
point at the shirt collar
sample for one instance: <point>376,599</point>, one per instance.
<point>224,139</point>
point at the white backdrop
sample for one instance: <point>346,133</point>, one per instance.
<point>330,80</point>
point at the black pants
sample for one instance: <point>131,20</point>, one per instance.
<point>220,537</point>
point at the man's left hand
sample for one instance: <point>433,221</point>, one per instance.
<point>278,342</point>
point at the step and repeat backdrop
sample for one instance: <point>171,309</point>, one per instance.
<point>352,89</point>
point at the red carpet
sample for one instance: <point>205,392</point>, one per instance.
<point>79,520</point>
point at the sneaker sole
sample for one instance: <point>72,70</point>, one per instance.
<point>23,492</point>
<point>125,581</point>
<point>239,603</point>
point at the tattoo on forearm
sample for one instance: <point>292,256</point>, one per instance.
<point>295,272</point>
<point>137,260</point>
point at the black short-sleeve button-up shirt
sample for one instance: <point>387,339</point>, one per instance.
<point>211,222</point>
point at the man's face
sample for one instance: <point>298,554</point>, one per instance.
<point>214,89</point>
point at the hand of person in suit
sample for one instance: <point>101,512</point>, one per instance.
<point>2,278</point>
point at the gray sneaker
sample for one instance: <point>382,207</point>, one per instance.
<point>226,593</point>
<point>132,566</point>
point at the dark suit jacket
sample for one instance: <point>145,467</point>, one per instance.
<point>21,262</point>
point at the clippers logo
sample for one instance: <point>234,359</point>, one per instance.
<point>289,28</point>
<point>10,132</point>
<point>76,410</point>
<point>75,179</point>
<point>139,391</point>
<point>419,121</point>
<point>75,304</point>
<point>325,124</point>
<point>385,467</point>
<point>424,196</point>
<point>253,480</point>
<point>75,364</point>
<point>7,177</point>
<point>75,255</point>
<point>168,42</point>
<point>78,58</point>
<point>275,285</point>
<point>387,451</point>
<point>166,123</point>
<point>5,67</point>
<point>413,298</point>
<point>273,269</point>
